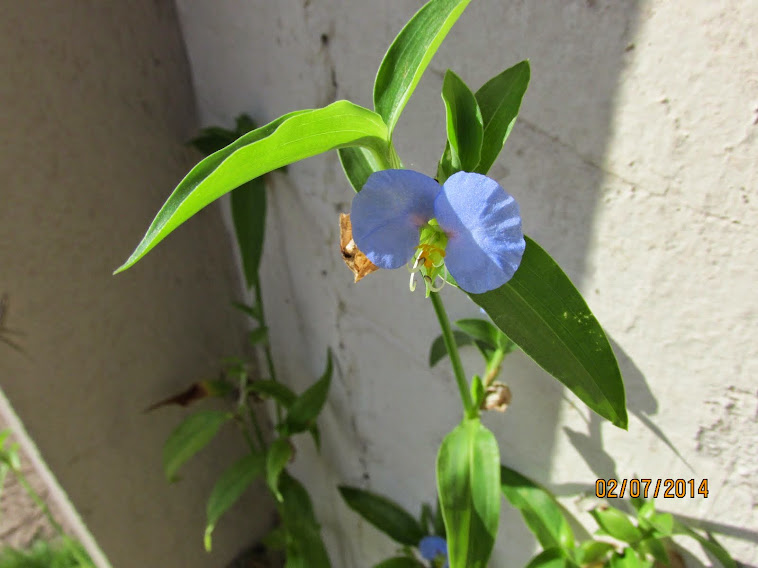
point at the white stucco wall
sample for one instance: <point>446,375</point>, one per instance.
<point>634,164</point>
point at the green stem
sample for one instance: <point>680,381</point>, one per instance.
<point>266,346</point>
<point>455,359</point>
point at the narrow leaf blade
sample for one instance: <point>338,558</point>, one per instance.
<point>541,512</point>
<point>438,350</point>
<point>249,217</point>
<point>290,138</point>
<point>384,514</point>
<point>500,100</point>
<point>410,54</point>
<point>273,389</point>
<point>464,124</point>
<point>304,547</point>
<point>468,482</point>
<point>546,316</point>
<point>277,457</point>
<point>306,408</point>
<point>191,436</point>
<point>358,164</point>
<point>229,488</point>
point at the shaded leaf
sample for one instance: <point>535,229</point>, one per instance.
<point>273,389</point>
<point>551,558</point>
<point>358,164</point>
<point>708,542</point>
<point>229,488</point>
<point>468,482</point>
<point>303,412</point>
<point>248,203</point>
<point>546,316</point>
<point>384,514</point>
<point>400,562</point>
<point>304,548</point>
<point>464,126</point>
<point>438,350</point>
<point>191,436</point>
<point>277,457</point>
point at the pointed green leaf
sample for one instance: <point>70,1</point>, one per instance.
<point>290,138</point>
<point>191,436</point>
<point>410,54</point>
<point>617,524</point>
<point>304,548</point>
<point>249,216</point>
<point>546,316</point>
<point>306,408</point>
<point>439,351</point>
<point>273,389</point>
<point>541,512</point>
<point>468,483</point>
<point>500,100</point>
<point>277,457</point>
<point>358,164</point>
<point>253,311</point>
<point>464,127</point>
<point>551,558</point>
<point>257,336</point>
<point>229,488</point>
<point>592,551</point>
<point>629,559</point>
<point>385,515</point>
<point>480,330</point>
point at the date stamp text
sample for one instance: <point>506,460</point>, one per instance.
<point>646,488</point>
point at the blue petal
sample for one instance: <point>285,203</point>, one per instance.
<point>431,547</point>
<point>387,213</point>
<point>483,225</point>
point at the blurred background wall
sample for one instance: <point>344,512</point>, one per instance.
<point>96,106</point>
<point>634,164</point>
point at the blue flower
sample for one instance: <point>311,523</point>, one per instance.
<point>434,548</point>
<point>471,224</point>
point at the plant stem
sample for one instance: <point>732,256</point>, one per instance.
<point>455,359</point>
<point>266,346</point>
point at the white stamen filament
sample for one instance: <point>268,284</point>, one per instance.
<point>412,284</point>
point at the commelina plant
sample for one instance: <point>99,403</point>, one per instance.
<point>460,228</point>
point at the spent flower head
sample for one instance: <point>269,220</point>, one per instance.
<point>469,226</point>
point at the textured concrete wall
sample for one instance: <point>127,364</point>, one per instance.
<point>96,106</point>
<point>634,164</point>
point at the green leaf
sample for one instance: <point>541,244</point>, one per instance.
<point>617,524</point>
<point>464,125</point>
<point>191,436</point>
<point>480,330</point>
<point>410,54</point>
<point>592,551</point>
<point>212,139</point>
<point>304,548</point>
<point>551,558</point>
<point>477,391</point>
<point>439,351</point>
<point>229,488</point>
<point>384,514</point>
<point>249,216</point>
<point>277,457</point>
<point>253,311</point>
<point>539,508</point>
<point>544,314</point>
<point>303,412</point>
<point>257,336</point>
<point>273,389</point>
<point>654,547</point>
<point>629,559</point>
<point>400,562</point>
<point>468,483</point>
<point>708,542</point>
<point>426,519</point>
<point>359,164</point>
<point>290,138</point>
<point>499,100</point>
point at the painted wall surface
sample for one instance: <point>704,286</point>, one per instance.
<point>96,107</point>
<point>634,162</point>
